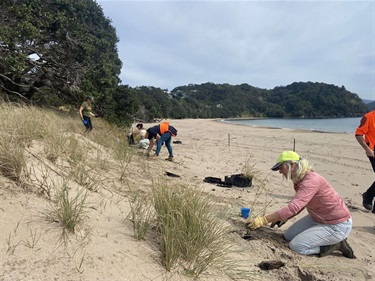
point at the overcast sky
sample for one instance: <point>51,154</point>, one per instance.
<point>265,44</point>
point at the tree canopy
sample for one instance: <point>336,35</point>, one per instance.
<point>60,48</point>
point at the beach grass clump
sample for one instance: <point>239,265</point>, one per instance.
<point>141,215</point>
<point>249,170</point>
<point>12,158</point>
<point>26,123</point>
<point>55,146</point>
<point>68,209</point>
<point>191,234</point>
<point>123,155</point>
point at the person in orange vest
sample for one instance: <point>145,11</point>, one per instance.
<point>162,134</point>
<point>365,135</point>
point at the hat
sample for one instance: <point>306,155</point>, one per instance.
<point>284,157</point>
<point>90,98</point>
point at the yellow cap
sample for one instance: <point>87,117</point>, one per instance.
<point>284,157</point>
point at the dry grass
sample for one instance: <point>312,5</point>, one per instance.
<point>68,209</point>
<point>191,232</point>
<point>189,229</point>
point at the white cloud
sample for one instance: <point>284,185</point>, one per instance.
<point>263,43</point>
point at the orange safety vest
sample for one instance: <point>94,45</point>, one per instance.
<point>164,127</point>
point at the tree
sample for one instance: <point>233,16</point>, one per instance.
<point>62,47</point>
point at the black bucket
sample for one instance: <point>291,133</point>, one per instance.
<point>239,180</point>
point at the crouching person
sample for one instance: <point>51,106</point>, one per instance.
<point>328,223</point>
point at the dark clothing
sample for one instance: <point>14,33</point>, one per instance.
<point>153,131</point>
<point>87,123</point>
<point>367,128</point>
<point>371,190</point>
<point>165,131</point>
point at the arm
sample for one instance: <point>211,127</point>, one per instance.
<point>360,139</point>
<point>150,147</point>
<point>80,112</point>
<point>274,217</point>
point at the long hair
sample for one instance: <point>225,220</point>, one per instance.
<point>303,166</point>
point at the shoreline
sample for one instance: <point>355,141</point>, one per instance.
<point>318,130</point>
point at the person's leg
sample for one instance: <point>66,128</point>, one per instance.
<point>298,227</point>
<point>86,121</point>
<point>89,124</point>
<point>312,239</point>
<point>158,146</point>
<point>163,138</point>
<point>168,145</point>
<point>369,195</point>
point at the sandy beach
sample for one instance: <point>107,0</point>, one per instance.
<point>105,249</point>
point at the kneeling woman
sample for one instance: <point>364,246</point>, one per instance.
<point>328,223</point>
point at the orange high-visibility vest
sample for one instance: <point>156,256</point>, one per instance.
<point>164,127</point>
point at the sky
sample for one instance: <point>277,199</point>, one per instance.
<point>166,44</point>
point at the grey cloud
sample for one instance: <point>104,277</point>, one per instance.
<point>265,44</point>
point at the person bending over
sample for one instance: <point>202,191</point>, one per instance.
<point>162,134</point>
<point>328,222</point>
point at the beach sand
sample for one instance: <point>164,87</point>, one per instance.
<point>31,248</point>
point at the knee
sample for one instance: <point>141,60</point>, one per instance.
<point>298,247</point>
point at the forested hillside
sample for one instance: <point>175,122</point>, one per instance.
<point>209,100</point>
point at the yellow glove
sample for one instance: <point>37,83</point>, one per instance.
<point>257,222</point>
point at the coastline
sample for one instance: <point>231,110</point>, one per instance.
<point>321,125</point>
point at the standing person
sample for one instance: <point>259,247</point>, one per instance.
<point>365,135</point>
<point>328,222</point>
<point>162,134</point>
<point>85,112</point>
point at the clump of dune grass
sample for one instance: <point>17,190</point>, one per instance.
<point>122,154</point>
<point>55,146</point>
<point>68,209</point>
<point>248,170</point>
<point>87,177</point>
<point>141,215</point>
<point>75,151</point>
<point>190,231</point>
<point>12,159</point>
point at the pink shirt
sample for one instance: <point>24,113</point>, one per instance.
<point>323,203</point>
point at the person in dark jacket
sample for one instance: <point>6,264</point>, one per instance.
<point>162,133</point>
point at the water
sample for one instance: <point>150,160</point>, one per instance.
<point>334,125</point>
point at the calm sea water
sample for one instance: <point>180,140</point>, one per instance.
<point>335,125</point>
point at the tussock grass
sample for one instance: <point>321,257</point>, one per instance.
<point>87,177</point>
<point>68,209</point>
<point>12,159</point>
<point>249,170</point>
<point>141,215</point>
<point>55,146</point>
<point>123,154</point>
<point>190,232</point>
